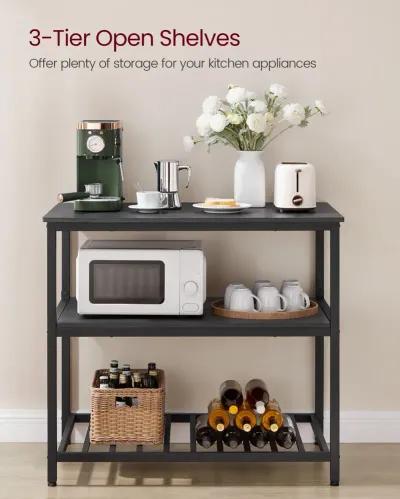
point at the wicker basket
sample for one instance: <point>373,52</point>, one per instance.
<point>141,423</point>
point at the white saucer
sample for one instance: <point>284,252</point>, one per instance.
<point>136,207</point>
<point>222,209</point>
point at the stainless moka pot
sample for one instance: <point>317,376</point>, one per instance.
<point>168,181</point>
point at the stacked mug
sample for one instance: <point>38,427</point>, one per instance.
<point>265,297</point>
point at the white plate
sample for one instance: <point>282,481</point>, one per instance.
<point>222,209</point>
<point>136,207</point>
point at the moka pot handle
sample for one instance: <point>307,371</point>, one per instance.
<point>189,173</point>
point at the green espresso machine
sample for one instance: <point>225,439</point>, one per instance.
<point>99,167</point>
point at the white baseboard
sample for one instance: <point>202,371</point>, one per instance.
<point>355,426</point>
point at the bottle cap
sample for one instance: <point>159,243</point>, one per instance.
<point>259,443</point>
<point>274,427</point>
<point>233,409</point>
<point>151,366</point>
<point>247,427</point>
<point>114,362</point>
<point>206,442</point>
<point>233,442</point>
<point>220,427</point>
<point>260,407</point>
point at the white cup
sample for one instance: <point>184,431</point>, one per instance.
<point>149,200</point>
<point>242,300</point>
<point>261,283</point>
<point>228,292</point>
<point>272,300</point>
<point>289,282</point>
<point>297,299</point>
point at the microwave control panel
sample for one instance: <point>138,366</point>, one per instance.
<point>192,282</point>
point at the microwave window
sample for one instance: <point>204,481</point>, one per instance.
<point>126,281</point>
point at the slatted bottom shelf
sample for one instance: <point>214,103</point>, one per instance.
<point>191,452</point>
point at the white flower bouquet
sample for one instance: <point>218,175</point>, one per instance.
<point>247,123</point>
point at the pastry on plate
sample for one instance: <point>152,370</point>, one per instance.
<point>219,202</point>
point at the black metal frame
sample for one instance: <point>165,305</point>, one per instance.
<point>57,328</point>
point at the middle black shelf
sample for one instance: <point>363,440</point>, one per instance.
<point>71,324</point>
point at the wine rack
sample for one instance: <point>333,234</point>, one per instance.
<point>63,322</point>
<point>192,452</point>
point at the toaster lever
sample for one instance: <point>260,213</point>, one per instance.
<point>297,179</point>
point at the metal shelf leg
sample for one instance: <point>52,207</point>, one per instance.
<point>319,341</point>
<point>334,359</point>
<point>66,341</point>
<point>51,359</point>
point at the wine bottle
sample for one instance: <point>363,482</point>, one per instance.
<point>104,384</point>
<point>272,418</point>
<point>137,379</point>
<point>232,437</point>
<point>153,376</point>
<point>205,435</point>
<point>114,379</point>
<point>218,417</point>
<point>257,395</point>
<point>245,419</point>
<point>286,435</point>
<point>123,381</point>
<point>231,395</point>
<point>258,437</point>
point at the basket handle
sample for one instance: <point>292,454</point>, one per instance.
<point>126,402</point>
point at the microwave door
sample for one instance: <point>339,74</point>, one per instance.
<point>127,281</point>
<point>132,284</point>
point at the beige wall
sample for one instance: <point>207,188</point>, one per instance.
<point>355,150</point>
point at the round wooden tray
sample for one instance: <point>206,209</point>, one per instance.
<point>218,309</point>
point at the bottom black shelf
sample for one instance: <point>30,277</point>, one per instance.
<point>192,452</point>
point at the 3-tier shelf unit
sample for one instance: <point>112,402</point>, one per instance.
<point>64,322</point>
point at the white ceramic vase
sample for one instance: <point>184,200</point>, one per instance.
<point>249,181</point>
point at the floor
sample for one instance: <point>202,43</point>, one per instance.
<point>369,471</point>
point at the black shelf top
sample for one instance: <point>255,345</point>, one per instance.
<point>63,216</point>
<point>71,324</point>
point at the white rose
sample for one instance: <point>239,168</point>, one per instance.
<point>258,106</point>
<point>218,122</point>
<point>256,122</point>
<point>278,90</point>
<point>236,95</point>
<point>269,117</point>
<point>294,113</point>
<point>211,104</point>
<point>188,143</point>
<point>203,124</point>
<point>234,118</point>
<point>321,107</point>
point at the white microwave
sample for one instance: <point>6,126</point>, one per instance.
<point>141,278</point>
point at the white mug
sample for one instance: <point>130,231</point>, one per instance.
<point>261,283</point>
<point>228,292</point>
<point>149,200</point>
<point>297,299</point>
<point>272,300</point>
<point>242,300</point>
<point>289,282</point>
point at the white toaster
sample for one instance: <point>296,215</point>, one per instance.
<point>294,187</point>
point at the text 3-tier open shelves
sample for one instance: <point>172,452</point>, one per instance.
<point>63,321</point>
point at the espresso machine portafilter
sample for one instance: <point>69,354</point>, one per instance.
<point>168,181</point>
